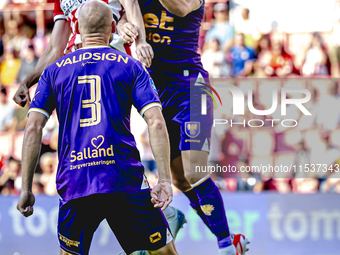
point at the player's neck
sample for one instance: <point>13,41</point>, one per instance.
<point>95,40</point>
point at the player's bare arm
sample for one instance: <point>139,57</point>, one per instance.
<point>180,8</point>
<point>127,31</point>
<point>30,154</point>
<point>159,140</point>
<point>55,48</point>
<point>133,15</point>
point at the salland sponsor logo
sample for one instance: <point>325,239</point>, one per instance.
<point>207,209</point>
<point>93,151</point>
<point>68,242</point>
<point>155,237</point>
<point>192,128</point>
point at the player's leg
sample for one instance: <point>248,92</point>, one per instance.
<point>137,225</point>
<point>208,194</point>
<point>175,219</point>
<point>77,221</point>
<point>62,252</point>
<point>168,249</point>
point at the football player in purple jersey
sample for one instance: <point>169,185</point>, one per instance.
<point>99,167</point>
<point>172,29</point>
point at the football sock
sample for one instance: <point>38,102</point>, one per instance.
<point>212,207</point>
<point>194,203</point>
<point>230,250</point>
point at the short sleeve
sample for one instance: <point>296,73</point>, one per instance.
<point>144,92</point>
<point>43,100</point>
<point>58,12</point>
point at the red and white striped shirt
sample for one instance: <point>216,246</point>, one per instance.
<point>67,10</point>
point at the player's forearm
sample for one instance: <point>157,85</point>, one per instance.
<point>134,16</point>
<point>30,154</point>
<point>180,8</point>
<point>121,22</point>
<point>159,141</point>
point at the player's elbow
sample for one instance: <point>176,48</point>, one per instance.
<point>157,124</point>
<point>33,127</point>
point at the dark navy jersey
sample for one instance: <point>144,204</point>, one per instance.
<point>93,90</point>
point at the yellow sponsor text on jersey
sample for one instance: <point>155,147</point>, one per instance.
<point>88,56</point>
<point>93,152</point>
<point>152,21</point>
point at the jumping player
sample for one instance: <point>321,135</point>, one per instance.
<point>93,90</point>
<point>172,29</point>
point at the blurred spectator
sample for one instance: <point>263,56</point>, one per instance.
<point>213,60</point>
<point>222,30</point>
<point>302,157</point>
<point>16,40</point>
<point>305,185</point>
<point>20,119</point>
<point>248,28</point>
<point>9,68</point>
<point>6,110</point>
<point>1,48</point>
<point>28,64</point>
<point>325,154</point>
<point>241,57</point>
<point>334,43</point>
<point>10,179</point>
<point>264,56</point>
<point>332,184</point>
<point>329,101</point>
<point>281,63</point>
<point>314,59</point>
<point>148,161</point>
<point>248,181</point>
<point>281,185</point>
<point>48,165</point>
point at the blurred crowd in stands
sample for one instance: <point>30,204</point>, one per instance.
<point>227,51</point>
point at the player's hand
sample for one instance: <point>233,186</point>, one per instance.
<point>128,32</point>
<point>25,203</point>
<point>161,195</point>
<point>144,52</point>
<point>22,96</point>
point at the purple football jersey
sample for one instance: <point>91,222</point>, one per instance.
<point>175,43</point>
<point>93,90</point>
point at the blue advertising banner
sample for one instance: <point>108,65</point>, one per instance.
<point>276,224</point>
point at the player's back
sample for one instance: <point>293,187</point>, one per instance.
<point>93,90</point>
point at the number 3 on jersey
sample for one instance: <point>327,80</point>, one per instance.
<point>93,102</point>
